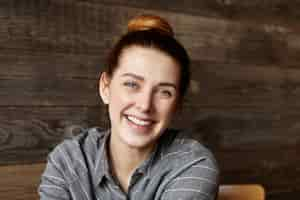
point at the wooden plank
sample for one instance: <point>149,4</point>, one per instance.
<point>27,134</point>
<point>283,194</point>
<point>261,162</point>
<point>241,129</point>
<point>268,87</point>
<point>49,91</point>
<point>51,27</point>
<point>55,65</point>
<point>20,181</point>
<point>57,30</point>
<point>270,11</point>
<point>267,11</point>
<point>80,114</point>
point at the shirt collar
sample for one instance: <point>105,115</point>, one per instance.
<point>144,168</point>
<point>102,166</point>
<point>102,163</point>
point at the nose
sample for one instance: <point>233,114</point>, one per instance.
<point>144,102</point>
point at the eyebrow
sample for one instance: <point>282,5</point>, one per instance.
<point>166,84</point>
<point>134,76</point>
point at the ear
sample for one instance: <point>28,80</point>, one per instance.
<point>104,89</point>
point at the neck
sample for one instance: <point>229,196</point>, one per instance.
<point>124,160</point>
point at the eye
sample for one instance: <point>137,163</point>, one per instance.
<point>166,93</point>
<point>131,84</point>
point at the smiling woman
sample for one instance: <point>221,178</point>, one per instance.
<point>146,78</point>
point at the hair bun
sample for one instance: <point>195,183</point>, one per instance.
<point>150,22</point>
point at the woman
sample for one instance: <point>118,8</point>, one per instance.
<point>138,158</point>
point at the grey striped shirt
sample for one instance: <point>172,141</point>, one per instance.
<point>178,168</point>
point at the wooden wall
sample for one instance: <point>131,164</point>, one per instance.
<point>244,101</point>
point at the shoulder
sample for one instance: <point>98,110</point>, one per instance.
<point>193,172</point>
<point>180,149</point>
<point>70,146</point>
<point>68,155</point>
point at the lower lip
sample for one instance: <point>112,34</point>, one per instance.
<point>140,128</point>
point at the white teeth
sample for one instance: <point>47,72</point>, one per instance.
<point>138,121</point>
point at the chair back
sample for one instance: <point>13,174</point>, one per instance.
<point>241,192</point>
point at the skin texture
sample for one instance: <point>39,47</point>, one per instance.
<point>142,96</point>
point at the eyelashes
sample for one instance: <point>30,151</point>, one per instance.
<point>134,86</point>
<point>166,93</point>
<point>131,84</point>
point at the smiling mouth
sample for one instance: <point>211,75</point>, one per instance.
<point>139,122</point>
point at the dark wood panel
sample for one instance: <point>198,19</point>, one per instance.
<point>276,11</point>
<point>53,26</point>
<point>241,129</point>
<point>267,11</point>
<point>263,162</point>
<point>51,65</point>
<point>96,26</point>
<point>27,134</point>
<point>267,87</point>
<point>47,90</point>
<point>283,194</point>
<point>79,114</point>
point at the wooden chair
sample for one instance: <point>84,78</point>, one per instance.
<point>20,182</point>
<point>241,192</point>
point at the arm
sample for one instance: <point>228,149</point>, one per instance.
<point>197,182</point>
<point>53,185</point>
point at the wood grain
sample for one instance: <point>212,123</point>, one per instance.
<point>20,181</point>
<point>28,134</point>
<point>244,97</point>
<point>55,65</point>
<point>96,26</point>
<point>251,11</point>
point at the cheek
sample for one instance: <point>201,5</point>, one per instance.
<point>166,108</point>
<point>119,100</point>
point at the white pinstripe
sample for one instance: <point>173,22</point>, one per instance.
<point>67,161</point>
<point>54,177</point>
<point>205,167</point>
<point>187,190</point>
<point>51,186</point>
<point>195,178</point>
<point>174,153</point>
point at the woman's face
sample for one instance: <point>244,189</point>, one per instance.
<point>142,96</point>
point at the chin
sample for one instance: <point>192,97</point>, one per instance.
<point>142,140</point>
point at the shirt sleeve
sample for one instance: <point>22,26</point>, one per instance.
<point>199,181</point>
<point>53,185</point>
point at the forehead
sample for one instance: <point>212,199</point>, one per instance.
<point>151,64</point>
